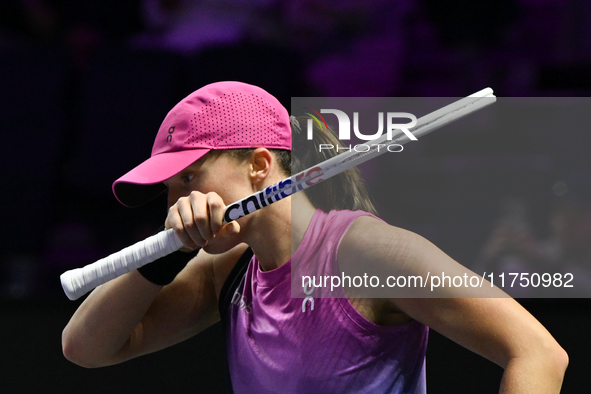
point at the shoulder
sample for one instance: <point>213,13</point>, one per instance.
<point>368,236</point>
<point>326,230</point>
<point>341,221</point>
<point>372,248</point>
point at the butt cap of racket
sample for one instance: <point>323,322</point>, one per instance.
<point>67,279</point>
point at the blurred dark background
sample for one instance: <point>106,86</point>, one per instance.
<point>85,85</point>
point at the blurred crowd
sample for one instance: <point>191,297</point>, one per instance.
<point>82,81</point>
<point>415,47</point>
<point>561,246</point>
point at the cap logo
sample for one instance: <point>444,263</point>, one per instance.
<point>169,136</point>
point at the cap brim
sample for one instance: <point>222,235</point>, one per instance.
<point>144,182</point>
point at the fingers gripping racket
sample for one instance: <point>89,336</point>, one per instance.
<point>79,281</point>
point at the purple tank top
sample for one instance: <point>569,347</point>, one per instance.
<point>279,344</point>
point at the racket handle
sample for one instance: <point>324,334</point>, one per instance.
<point>80,281</point>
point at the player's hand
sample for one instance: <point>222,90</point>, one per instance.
<point>197,220</point>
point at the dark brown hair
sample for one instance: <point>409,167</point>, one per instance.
<point>343,191</point>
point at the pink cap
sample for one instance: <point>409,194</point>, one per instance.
<point>222,115</point>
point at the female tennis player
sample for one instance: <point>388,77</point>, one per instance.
<point>224,142</point>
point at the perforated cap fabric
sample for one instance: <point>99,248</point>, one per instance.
<point>222,115</point>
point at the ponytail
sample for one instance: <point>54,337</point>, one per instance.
<point>343,191</point>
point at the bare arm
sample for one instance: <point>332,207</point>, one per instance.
<point>131,316</point>
<point>496,328</point>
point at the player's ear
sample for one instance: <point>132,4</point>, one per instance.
<point>260,165</point>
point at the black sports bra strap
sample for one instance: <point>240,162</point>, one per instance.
<point>230,285</point>
<point>232,282</point>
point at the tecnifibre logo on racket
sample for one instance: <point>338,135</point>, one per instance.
<point>274,193</point>
<point>344,128</point>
